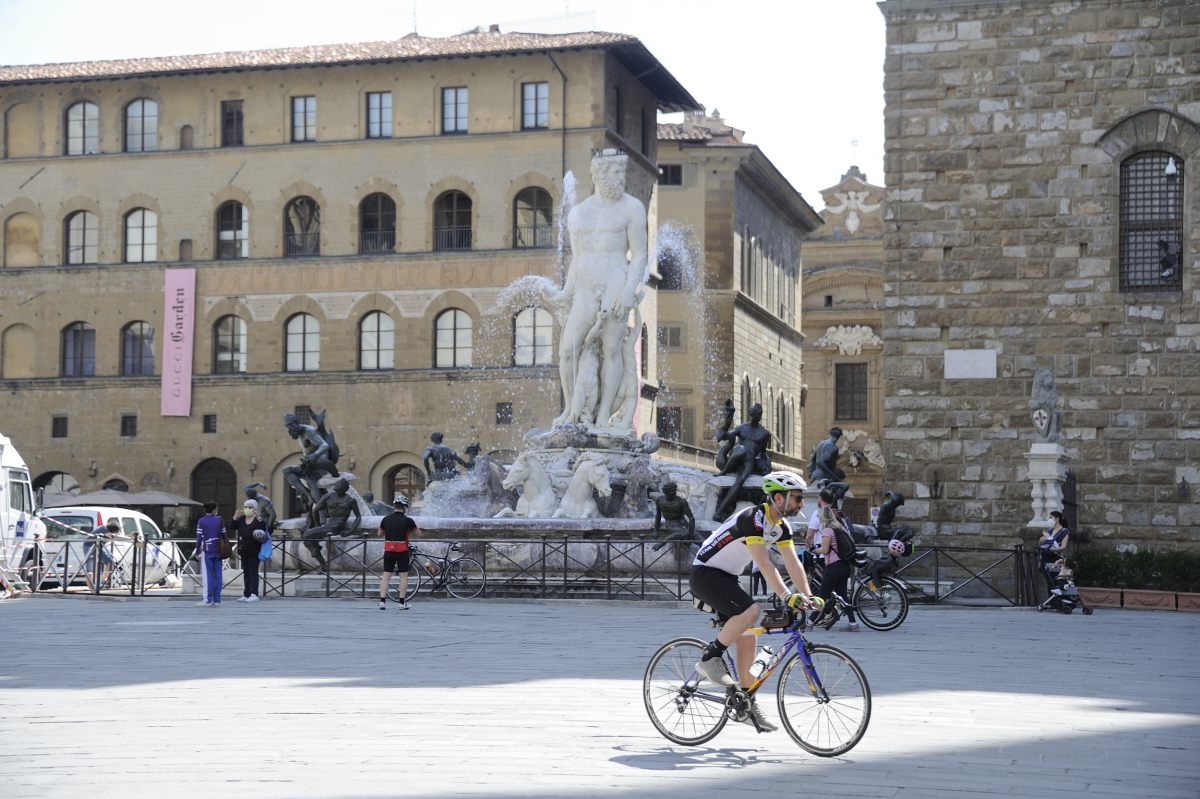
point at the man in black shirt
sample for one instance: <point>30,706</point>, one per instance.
<point>395,529</point>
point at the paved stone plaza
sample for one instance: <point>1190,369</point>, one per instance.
<point>334,698</point>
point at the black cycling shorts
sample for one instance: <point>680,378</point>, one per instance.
<point>720,589</point>
<point>394,562</point>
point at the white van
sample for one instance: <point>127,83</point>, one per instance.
<point>19,527</point>
<point>68,534</point>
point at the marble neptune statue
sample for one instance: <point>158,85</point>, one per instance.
<point>605,283</point>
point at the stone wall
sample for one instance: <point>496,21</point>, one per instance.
<point>1006,126</point>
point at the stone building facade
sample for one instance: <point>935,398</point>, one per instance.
<point>730,231</point>
<point>1043,211</point>
<point>843,319</point>
<point>352,213</point>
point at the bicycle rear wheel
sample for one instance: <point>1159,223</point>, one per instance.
<point>681,707</point>
<point>827,715</point>
<point>414,583</point>
<point>883,607</point>
<point>465,578</point>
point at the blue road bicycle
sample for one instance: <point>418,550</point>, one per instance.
<point>822,694</point>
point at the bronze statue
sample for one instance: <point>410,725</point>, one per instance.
<point>443,458</point>
<point>377,508</point>
<point>823,463</point>
<point>748,456</point>
<point>266,507</point>
<point>673,513</point>
<point>318,457</point>
<point>336,507</point>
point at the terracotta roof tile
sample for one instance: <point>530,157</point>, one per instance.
<point>669,131</point>
<point>410,47</point>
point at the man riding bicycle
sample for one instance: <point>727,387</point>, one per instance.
<point>717,569</point>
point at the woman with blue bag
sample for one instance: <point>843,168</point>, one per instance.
<point>252,537</point>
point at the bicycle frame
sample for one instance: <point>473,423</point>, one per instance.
<point>797,643</point>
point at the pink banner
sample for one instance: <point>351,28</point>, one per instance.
<point>179,303</point>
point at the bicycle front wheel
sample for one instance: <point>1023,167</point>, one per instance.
<point>881,605</point>
<point>465,578</point>
<point>681,707</point>
<point>825,711</point>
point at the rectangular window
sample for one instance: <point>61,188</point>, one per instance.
<point>504,413</point>
<point>850,387</point>
<point>1153,245</point>
<point>303,414</point>
<point>454,110</point>
<point>304,118</point>
<point>670,338</point>
<point>210,423</point>
<point>379,115</point>
<point>670,175</point>
<point>58,427</point>
<point>535,105</point>
<point>676,424</point>
<point>231,123</point>
<point>128,426</point>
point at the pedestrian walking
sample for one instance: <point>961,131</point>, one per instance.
<point>250,529</point>
<point>395,528</point>
<point>210,533</point>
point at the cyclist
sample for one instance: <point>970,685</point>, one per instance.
<point>716,581</point>
<point>396,527</point>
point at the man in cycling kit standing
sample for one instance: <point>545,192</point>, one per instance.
<point>396,527</point>
<point>719,564</point>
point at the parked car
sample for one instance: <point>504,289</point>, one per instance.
<point>69,529</point>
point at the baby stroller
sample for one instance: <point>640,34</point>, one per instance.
<point>1064,598</point>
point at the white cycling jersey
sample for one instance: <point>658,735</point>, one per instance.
<point>725,548</point>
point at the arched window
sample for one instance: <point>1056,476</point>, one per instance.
<point>233,231</point>
<point>452,222</point>
<point>78,350</point>
<point>137,349</point>
<point>229,345</point>
<point>452,339</point>
<point>533,224</point>
<point>80,238</point>
<point>141,126</point>
<point>533,333</point>
<point>1152,222</point>
<point>376,224</point>
<point>376,341</point>
<point>404,479</point>
<point>141,236</point>
<point>747,398</point>
<point>302,227</point>
<point>83,129</point>
<point>303,344</point>
<point>115,485</point>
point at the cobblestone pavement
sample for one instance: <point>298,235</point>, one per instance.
<point>334,698</point>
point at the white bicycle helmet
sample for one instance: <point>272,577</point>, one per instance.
<point>782,481</point>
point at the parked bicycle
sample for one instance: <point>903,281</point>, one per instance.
<point>823,697</point>
<point>459,576</point>
<point>878,599</point>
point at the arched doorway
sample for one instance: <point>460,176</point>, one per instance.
<point>214,480</point>
<point>403,479</point>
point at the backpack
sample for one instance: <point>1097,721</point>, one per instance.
<point>842,541</point>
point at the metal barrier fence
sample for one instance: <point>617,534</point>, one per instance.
<point>550,567</point>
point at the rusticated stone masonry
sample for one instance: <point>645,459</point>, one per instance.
<point>1006,126</point>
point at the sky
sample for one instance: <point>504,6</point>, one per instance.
<point>802,78</point>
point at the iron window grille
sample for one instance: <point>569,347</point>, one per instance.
<point>533,219</point>
<point>377,224</point>
<point>1151,223</point>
